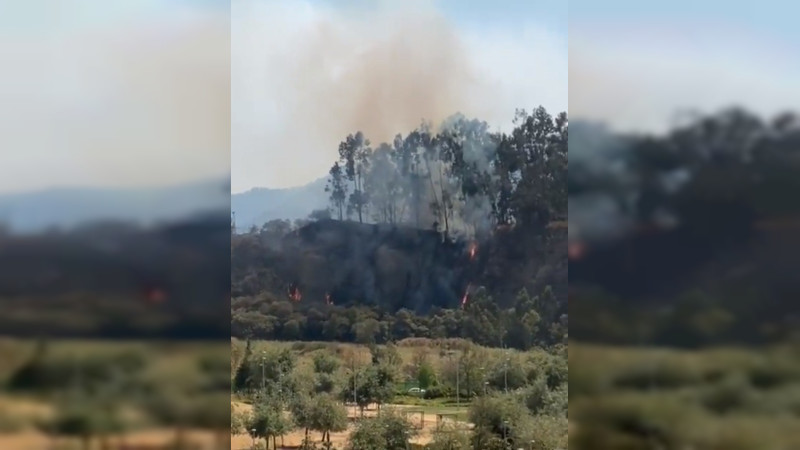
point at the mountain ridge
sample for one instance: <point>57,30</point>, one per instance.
<point>68,207</point>
<point>259,205</point>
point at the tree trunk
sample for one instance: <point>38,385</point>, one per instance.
<point>444,205</point>
<point>180,437</point>
<point>360,198</point>
<point>222,437</point>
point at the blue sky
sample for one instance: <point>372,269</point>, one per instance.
<point>768,17</point>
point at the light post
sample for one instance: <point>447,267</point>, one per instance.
<point>458,384</point>
<point>355,395</point>
<point>253,437</point>
<point>505,372</point>
<point>505,433</point>
<point>263,375</point>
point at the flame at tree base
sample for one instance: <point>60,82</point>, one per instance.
<point>294,294</point>
<point>465,298</point>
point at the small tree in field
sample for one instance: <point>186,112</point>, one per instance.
<point>425,375</point>
<point>206,413</point>
<point>75,419</point>
<point>267,421</point>
<point>237,421</point>
<point>172,411</point>
<point>328,416</point>
<point>449,437</point>
<point>302,408</point>
<point>388,431</point>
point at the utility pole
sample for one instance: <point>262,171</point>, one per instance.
<point>355,395</point>
<point>505,434</point>
<point>458,385</point>
<point>263,376</point>
<point>505,373</point>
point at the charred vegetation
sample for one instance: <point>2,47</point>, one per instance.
<point>441,233</point>
<point>118,280</point>
<point>705,238</point>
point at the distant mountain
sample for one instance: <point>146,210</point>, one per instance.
<point>71,207</point>
<point>260,205</point>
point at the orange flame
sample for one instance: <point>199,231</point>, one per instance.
<point>294,294</point>
<point>576,250</point>
<point>466,296</point>
<point>473,249</point>
<point>156,295</point>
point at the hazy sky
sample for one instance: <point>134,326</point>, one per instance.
<point>635,64</point>
<point>306,73</point>
<point>113,93</point>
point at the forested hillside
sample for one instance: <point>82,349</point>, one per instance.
<point>703,246</point>
<point>454,230</point>
<point>117,279</point>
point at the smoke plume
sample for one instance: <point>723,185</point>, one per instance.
<point>114,94</point>
<point>304,77</point>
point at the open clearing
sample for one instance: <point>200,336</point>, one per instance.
<point>425,434</point>
<point>158,438</point>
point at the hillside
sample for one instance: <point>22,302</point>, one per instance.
<point>330,272</point>
<point>118,280</point>
<point>696,241</point>
<point>396,267</point>
<point>261,205</point>
<point>455,232</point>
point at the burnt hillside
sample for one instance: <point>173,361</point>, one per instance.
<point>394,267</point>
<point>118,280</point>
<point>437,234</point>
<point>706,248</point>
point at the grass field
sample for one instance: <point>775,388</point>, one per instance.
<point>144,370</point>
<point>426,413</point>
<point>715,399</point>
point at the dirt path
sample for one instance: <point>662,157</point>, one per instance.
<point>339,440</point>
<point>33,440</point>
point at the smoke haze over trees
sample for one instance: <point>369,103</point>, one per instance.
<point>691,233</point>
<point>118,279</point>
<point>457,230</point>
<point>461,178</point>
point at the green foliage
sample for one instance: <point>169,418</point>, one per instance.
<point>238,421</point>
<point>328,415</point>
<point>425,375</point>
<point>267,420</point>
<point>372,384</point>
<point>449,437</point>
<point>325,364</point>
<point>267,372</point>
<point>388,431</point>
<point>50,372</point>
<point>500,417</point>
<point>703,399</point>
